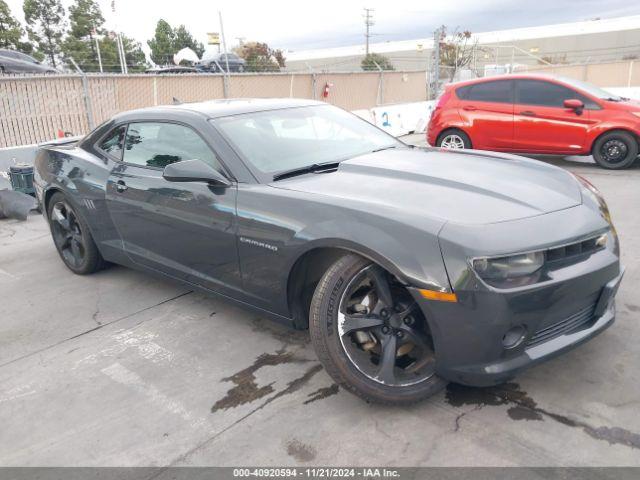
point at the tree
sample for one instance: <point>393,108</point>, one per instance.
<point>369,62</point>
<point>457,50</point>
<point>162,43</point>
<point>45,26</point>
<point>135,58</point>
<point>184,39</point>
<point>11,31</point>
<point>260,57</point>
<point>86,22</point>
<point>168,41</point>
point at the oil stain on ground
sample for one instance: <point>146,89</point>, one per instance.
<point>246,389</point>
<point>322,393</point>
<point>301,451</point>
<point>523,407</point>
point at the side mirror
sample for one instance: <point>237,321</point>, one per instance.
<point>194,171</point>
<point>574,104</point>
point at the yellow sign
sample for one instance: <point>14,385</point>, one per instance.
<point>213,38</point>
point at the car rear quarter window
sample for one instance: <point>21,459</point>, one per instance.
<point>113,143</point>
<point>158,144</point>
<point>499,91</point>
<point>547,94</point>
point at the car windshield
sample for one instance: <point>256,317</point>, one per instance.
<point>276,141</point>
<point>590,89</point>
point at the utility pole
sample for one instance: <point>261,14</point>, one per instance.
<point>368,22</point>
<point>437,37</point>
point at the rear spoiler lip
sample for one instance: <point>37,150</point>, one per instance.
<point>61,141</point>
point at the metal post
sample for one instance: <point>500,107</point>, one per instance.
<point>155,90</point>
<point>513,56</point>
<point>436,61</point>
<point>121,54</point>
<point>99,56</point>
<point>224,44</point>
<point>85,94</point>
<point>380,96</point>
<point>313,85</point>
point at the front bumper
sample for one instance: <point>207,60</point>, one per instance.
<point>468,334</point>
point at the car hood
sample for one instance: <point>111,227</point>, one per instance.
<point>462,187</point>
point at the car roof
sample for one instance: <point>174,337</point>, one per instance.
<point>509,76</point>
<point>221,108</point>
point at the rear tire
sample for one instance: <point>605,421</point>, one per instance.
<point>615,150</point>
<point>453,139</point>
<point>72,237</point>
<point>356,357</point>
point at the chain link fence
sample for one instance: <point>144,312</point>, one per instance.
<point>38,108</point>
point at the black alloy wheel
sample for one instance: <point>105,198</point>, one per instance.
<point>377,342</point>
<point>72,238</point>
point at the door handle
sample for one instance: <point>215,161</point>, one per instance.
<point>121,186</point>
<point>528,113</point>
<point>469,108</point>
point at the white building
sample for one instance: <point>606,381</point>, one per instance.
<point>593,41</point>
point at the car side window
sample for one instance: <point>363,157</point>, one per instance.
<point>499,91</point>
<point>113,143</point>
<point>547,94</point>
<point>158,144</point>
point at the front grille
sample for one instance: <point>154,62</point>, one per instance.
<point>569,324</point>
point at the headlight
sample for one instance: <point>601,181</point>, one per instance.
<point>509,267</point>
<point>599,201</point>
<point>595,195</point>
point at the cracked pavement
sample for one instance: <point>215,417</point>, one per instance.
<point>123,369</point>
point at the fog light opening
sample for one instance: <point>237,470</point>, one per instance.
<point>514,337</point>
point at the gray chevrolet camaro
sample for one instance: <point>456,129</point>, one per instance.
<point>411,267</point>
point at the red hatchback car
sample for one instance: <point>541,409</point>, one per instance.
<point>537,114</point>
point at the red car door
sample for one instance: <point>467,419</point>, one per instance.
<point>486,109</point>
<point>541,122</point>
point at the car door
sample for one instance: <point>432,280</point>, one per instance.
<point>183,229</point>
<point>541,122</point>
<point>487,109</point>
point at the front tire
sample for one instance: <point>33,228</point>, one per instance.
<point>615,150</point>
<point>370,334</point>
<point>72,237</point>
<point>453,139</point>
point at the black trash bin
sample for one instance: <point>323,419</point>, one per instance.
<point>21,177</point>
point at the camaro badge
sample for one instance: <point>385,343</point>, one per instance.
<point>258,243</point>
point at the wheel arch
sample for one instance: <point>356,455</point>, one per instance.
<point>311,264</point>
<point>46,197</point>
<point>613,129</point>
<point>453,129</point>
